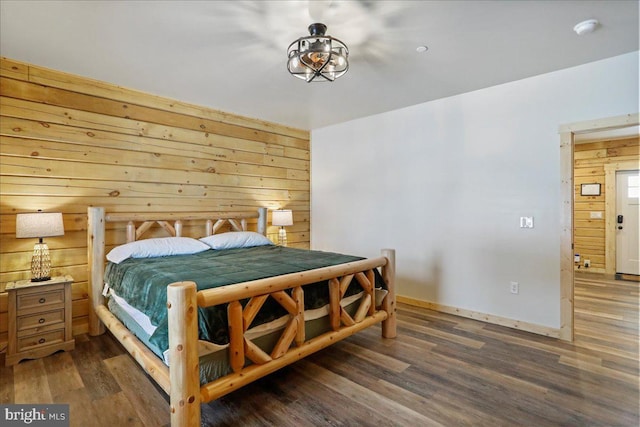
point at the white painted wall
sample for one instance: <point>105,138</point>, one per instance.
<point>445,183</point>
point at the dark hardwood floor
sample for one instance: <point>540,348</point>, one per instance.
<point>441,370</point>
<point>606,314</point>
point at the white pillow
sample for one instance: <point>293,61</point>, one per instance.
<point>236,239</point>
<point>150,248</point>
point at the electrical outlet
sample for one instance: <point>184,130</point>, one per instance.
<point>587,263</point>
<point>515,287</point>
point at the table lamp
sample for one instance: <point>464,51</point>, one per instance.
<point>39,225</point>
<point>282,218</point>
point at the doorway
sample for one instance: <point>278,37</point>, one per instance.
<point>627,233</point>
<point>568,133</point>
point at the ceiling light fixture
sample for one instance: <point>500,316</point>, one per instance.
<point>586,27</point>
<point>318,57</point>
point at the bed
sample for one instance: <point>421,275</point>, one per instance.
<point>205,322</point>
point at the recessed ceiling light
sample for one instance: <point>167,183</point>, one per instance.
<point>586,27</point>
<point>421,49</point>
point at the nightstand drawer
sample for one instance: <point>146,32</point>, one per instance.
<point>30,299</point>
<point>46,338</point>
<point>40,320</point>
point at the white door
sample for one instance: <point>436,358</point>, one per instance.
<point>627,222</point>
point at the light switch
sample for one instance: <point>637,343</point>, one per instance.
<point>526,222</point>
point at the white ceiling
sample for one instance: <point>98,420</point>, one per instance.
<point>231,55</point>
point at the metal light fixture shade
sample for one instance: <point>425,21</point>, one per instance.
<point>318,57</point>
<point>39,225</point>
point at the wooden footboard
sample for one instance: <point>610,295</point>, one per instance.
<point>181,380</point>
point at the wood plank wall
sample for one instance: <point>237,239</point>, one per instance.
<point>589,161</point>
<point>68,142</point>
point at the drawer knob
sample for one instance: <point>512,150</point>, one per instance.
<point>42,300</point>
<point>41,320</point>
<point>41,341</point>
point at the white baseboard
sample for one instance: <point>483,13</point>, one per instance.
<point>488,318</point>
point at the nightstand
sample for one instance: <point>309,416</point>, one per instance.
<point>39,318</point>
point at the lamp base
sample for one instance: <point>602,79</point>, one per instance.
<point>40,263</point>
<point>282,237</point>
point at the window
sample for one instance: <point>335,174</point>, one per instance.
<point>633,186</point>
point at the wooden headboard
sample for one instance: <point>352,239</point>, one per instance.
<point>171,222</point>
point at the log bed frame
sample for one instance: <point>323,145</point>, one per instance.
<point>181,380</point>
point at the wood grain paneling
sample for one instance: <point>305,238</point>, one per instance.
<point>589,167</point>
<point>68,142</point>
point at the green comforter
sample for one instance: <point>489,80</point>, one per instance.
<point>142,282</point>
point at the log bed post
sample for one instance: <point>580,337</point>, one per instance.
<point>389,302</point>
<point>95,253</point>
<point>262,221</point>
<point>184,374</point>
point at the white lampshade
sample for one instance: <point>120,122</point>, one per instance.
<point>282,217</point>
<point>40,224</point>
